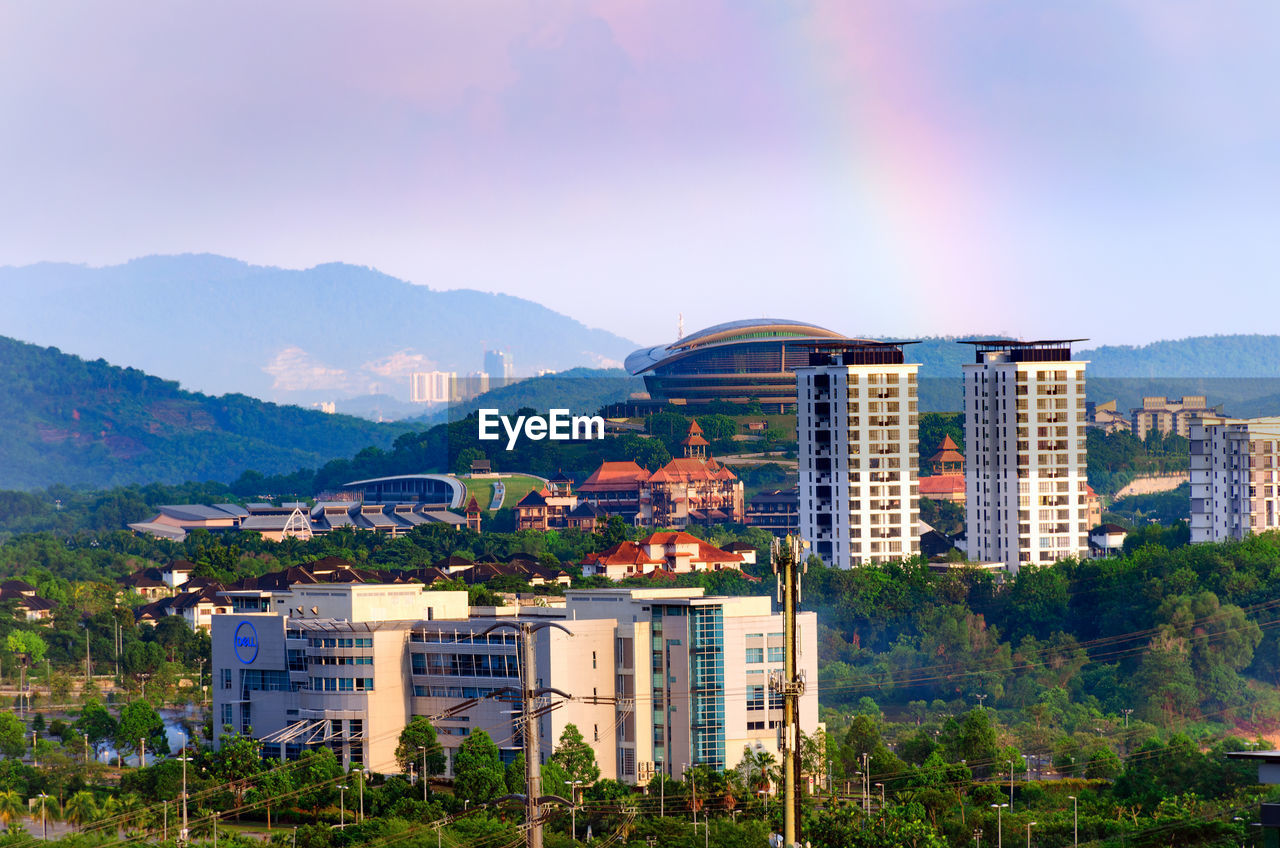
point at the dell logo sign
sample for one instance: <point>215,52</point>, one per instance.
<point>246,642</point>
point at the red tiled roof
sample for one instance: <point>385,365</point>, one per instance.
<point>942,484</point>
<point>691,469</point>
<point>623,553</point>
<point>612,476</point>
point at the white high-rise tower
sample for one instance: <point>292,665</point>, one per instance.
<point>858,429</point>
<point>1026,475</point>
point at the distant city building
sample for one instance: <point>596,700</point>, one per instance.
<point>858,430</point>
<point>499,367</point>
<point>736,362</point>
<point>1106,417</point>
<point>1171,416</point>
<point>1025,480</point>
<point>1235,465</point>
<point>431,386</point>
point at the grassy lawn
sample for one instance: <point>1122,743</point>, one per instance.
<point>518,485</point>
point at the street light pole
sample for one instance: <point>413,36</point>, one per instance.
<point>423,749</point>
<point>342,806</point>
<point>1029,826</point>
<point>1011,786</point>
<point>999,808</point>
<point>1075,820</point>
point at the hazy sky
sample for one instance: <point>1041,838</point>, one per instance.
<point>1076,168</point>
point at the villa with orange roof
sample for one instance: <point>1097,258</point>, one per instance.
<point>667,552</point>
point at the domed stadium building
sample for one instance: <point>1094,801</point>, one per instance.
<point>735,362</point>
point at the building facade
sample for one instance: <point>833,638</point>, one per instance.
<point>1234,468</point>
<point>1025,479</point>
<point>660,679</point>
<point>858,430</point>
<point>1171,417</point>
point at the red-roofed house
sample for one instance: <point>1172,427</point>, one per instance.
<point>623,560</point>
<point>946,474</point>
<point>666,553</point>
<point>615,488</point>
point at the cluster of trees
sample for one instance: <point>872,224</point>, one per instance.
<point>1116,458</point>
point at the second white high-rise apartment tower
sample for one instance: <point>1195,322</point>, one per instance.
<point>858,429</point>
<point>1026,476</point>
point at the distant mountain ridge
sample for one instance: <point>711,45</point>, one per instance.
<point>81,423</point>
<point>323,334</point>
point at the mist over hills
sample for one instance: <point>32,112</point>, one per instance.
<point>335,331</point>
<point>81,423</point>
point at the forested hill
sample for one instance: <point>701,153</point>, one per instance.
<point>67,420</point>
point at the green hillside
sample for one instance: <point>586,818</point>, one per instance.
<point>67,420</point>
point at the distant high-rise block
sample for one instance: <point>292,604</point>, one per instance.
<point>1025,476</point>
<point>499,367</point>
<point>858,430</point>
<point>1234,468</point>
<point>431,386</point>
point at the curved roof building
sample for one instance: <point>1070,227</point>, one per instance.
<point>738,361</point>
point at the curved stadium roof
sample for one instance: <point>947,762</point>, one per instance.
<point>752,329</point>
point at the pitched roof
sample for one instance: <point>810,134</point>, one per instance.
<point>534,498</point>
<point>942,484</point>
<point>611,476</point>
<point>691,469</point>
<point>560,477</point>
<point>623,553</point>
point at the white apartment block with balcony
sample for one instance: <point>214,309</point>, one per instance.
<point>1235,489</point>
<point>858,429</point>
<point>1026,475</point>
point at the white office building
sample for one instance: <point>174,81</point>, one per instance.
<point>1234,486</point>
<point>1026,475</point>
<point>858,430</point>
<point>660,678</point>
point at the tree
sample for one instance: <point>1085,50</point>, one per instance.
<point>419,733</point>
<point>80,809</point>
<point>316,774</point>
<point>478,769</point>
<point>13,735</point>
<point>26,642</point>
<point>139,720</point>
<point>11,806</point>
<point>575,756</point>
<point>96,723</point>
<point>236,762</point>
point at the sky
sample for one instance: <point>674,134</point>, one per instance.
<point>1074,168</point>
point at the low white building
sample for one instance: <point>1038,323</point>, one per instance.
<point>659,678</point>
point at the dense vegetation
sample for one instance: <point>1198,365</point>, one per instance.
<point>1116,458</point>
<point>1128,679</point>
<point>76,422</point>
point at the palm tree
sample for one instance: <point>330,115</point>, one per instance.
<point>11,807</point>
<point>80,809</point>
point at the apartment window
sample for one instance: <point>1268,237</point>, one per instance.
<point>777,653</point>
<point>755,655</point>
<point>755,699</point>
<point>226,682</point>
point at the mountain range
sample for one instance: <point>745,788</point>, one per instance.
<point>329,333</point>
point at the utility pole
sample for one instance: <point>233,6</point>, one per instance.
<point>142,753</point>
<point>532,742</point>
<point>530,692</point>
<point>184,833</point>
<point>787,565</point>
